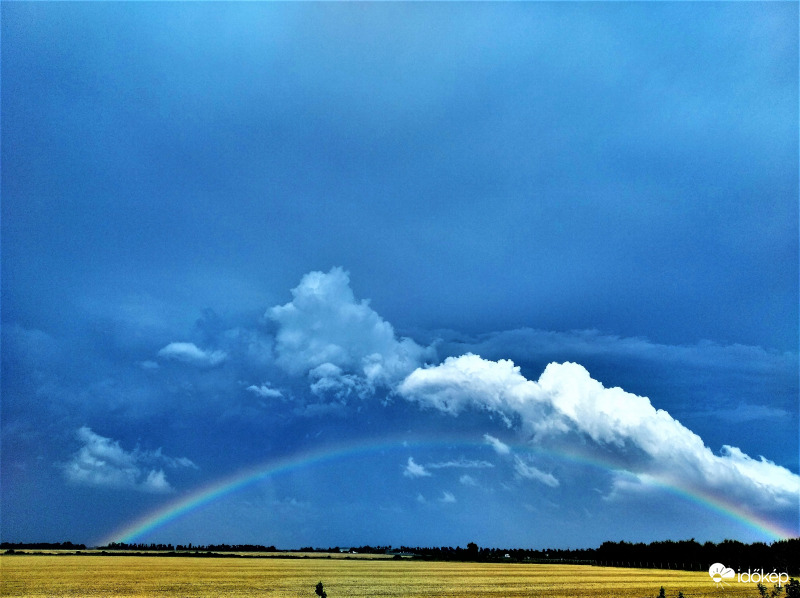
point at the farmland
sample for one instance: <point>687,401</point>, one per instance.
<point>140,576</point>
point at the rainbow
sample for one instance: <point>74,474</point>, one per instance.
<point>183,505</point>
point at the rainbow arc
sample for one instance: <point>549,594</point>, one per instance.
<point>226,486</point>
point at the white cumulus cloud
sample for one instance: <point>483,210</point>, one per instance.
<point>191,354</point>
<point>324,325</point>
<point>566,401</point>
<point>102,462</point>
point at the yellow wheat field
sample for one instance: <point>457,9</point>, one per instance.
<point>188,577</point>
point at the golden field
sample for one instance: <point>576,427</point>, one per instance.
<point>192,577</point>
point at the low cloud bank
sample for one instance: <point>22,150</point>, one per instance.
<point>567,403</point>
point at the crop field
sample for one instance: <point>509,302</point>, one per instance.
<point>191,577</point>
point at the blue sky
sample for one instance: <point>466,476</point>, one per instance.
<point>535,264</point>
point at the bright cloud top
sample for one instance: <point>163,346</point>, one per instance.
<point>102,462</point>
<point>566,402</point>
<point>343,344</point>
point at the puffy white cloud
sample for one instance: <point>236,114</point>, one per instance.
<point>773,480</point>
<point>191,354</point>
<point>468,381</point>
<point>102,462</point>
<point>414,470</point>
<point>567,402</point>
<point>467,480</point>
<point>324,325</point>
<point>265,391</point>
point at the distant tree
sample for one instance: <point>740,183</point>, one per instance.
<point>320,591</point>
<point>662,593</point>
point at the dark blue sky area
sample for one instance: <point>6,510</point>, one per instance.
<point>610,184</point>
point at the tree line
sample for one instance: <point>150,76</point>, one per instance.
<point>42,545</point>
<point>684,554</point>
<point>668,554</point>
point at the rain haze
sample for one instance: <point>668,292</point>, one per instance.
<point>335,274</point>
